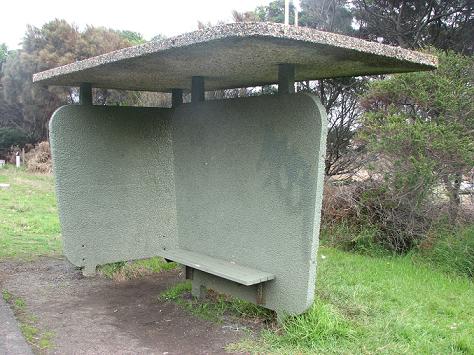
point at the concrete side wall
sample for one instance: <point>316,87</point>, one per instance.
<point>114,181</point>
<point>249,176</point>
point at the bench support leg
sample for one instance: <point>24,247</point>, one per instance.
<point>89,270</point>
<point>198,290</point>
<point>197,89</point>
<point>188,272</point>
<point>176,97</point>
<point>260,296</point>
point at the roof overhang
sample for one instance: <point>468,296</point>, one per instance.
<point>236,55</point>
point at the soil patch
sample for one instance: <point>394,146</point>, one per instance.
<point>101,316</point>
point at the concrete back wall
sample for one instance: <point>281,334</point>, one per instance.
<point>239,180</point>
<point>249,175</point>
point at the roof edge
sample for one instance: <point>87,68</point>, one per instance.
<point>241,30</point>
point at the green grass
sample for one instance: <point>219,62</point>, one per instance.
<point>29,224</point>
<point>214,307</point>
<point>176,292</point>
<point>374,303</point>
<point>38,338</point>
<point>452,250</point>
<point>126,270</point>
<point>360,240</point>
<point>377,305</point>
<point>7,296</point>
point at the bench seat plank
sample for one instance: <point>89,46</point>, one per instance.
<point>222,268</point>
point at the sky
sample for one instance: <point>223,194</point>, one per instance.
<point>148,17</point>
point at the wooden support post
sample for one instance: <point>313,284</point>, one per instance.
<point>85,94</point>
<point>286,79</point>
<point>197,89</point>
<point>176,97</point>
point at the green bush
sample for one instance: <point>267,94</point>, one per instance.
<point>11,136</point>
<point>418,130</point>
<point>362,239</point>
<point>451,249</point>
<point>369,216</point>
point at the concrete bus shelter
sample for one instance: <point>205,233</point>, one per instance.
<point>231,189</point>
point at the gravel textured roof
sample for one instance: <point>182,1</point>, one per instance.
<point>236,55</point>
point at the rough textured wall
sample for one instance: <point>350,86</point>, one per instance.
<point>115,183</point>
<point>239,180</point>
<point>249,176</point>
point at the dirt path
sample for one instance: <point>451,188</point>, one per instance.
<point>100,316</point>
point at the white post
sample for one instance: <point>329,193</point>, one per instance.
<point>287,12</point>
<point>297,10</point>
<point>17,160</point>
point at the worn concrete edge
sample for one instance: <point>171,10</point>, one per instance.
<point>242,30</point>
<point>11,339</point>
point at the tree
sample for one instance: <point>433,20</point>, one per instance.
<point>44,48</point>
<point>340,98</point>
<point>134,38</point>
<point>248,16</point>
<point>327,15</point>
<point>158,37</point>
<point>445,24</point>
<point>3,59</point>
<point>423,124</point>
<point>55,43</point>
<point>275,12</point>
<point>10,115</point>
<point>3,54</point>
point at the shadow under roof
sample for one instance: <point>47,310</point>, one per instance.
<point>236,55</point>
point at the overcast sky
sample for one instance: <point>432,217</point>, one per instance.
<point>150,17</point>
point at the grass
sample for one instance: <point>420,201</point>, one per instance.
<point>363,304</point>
<point>447,247</point>
<point>452,250</point>
<point>215,307</point>
<point>38,338</point>
<point>369,304</point>
<point>176,292</point>
<point>29,225</point>
<point>377,305</point>
<point>126,270</point>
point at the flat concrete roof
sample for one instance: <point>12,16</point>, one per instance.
<point>236,55</point>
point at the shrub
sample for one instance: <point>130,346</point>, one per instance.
<point>370,214</point>
<point>423,125</point>
<point>343,224</point>
<point>12,137</point>
<point>401,219</point>
<point>451,249</point>
<point>418,130</point>
<point>38,159</point>
<point>339,203</point>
